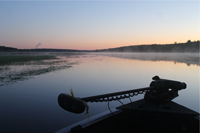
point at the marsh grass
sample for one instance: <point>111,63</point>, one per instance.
<point>10,59</point>
<point>14,68</point>
<point>13,77</point>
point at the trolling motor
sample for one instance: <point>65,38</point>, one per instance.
<point>164,90</point>
<point>160,91</point>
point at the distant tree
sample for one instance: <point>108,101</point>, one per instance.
<point>175,43</point>
<point>188,41</point>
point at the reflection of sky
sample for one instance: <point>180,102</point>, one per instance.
<point>97,25</point>
<point>34,102</point>
<point>188,58</point>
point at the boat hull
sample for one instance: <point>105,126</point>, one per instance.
<point>140,116</point>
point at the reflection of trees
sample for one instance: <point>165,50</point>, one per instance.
<point>175,57</point>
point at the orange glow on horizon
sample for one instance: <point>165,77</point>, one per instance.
<point>108,45</point>
<point>91,45</point>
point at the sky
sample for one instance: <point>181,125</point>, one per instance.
<point>90,25</point>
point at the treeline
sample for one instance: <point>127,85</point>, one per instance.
<point>180,47</point>
<point>48,50</point>
<point>8,49</point>
<point>176,47</point>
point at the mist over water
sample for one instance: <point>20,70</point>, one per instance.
<point>29,103</point>
<point>188,58</point>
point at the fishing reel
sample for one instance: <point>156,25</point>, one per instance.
<point>160,91</point>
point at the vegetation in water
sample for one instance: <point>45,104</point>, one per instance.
<point>26,74</point>
<point>19,67</point>
<point>10,59</point>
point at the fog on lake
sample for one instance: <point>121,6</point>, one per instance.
<point>29,90</point>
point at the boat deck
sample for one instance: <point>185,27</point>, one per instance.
<point>142,117</point>
<point>169,107</point>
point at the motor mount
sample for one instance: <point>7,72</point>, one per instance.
<point>159,91</point>
<point>164,90</point>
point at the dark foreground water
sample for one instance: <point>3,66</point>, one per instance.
<point>29,91</point>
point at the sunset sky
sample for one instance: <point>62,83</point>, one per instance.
<point>90,25</point>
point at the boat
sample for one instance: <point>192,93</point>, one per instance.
<point>156,112</point>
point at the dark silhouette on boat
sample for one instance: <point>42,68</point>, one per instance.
<point>155,113</point>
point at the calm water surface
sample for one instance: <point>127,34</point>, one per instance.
<point>30,104</point>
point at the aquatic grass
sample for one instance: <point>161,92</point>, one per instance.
<point>10,77</point>
<point>40,62</point>
<point>18,67</point>
<point>9,59</point>
<point>4,68</point>
<point>23,75</point>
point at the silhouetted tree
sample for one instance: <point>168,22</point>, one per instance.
<point>188,41</point>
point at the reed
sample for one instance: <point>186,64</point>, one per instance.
<point>9,59</point>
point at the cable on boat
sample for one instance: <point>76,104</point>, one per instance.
<point>110,109</point>
<point>122,104</point>
<point>131,102</point>
<point>158,92</point>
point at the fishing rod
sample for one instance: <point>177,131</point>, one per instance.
<point>159,91</point>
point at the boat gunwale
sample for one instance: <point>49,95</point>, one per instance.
<point>94,119</point>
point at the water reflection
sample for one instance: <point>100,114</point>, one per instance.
<point>14,68</point>
<point>188,58</point>
<point>17,67</point>
<point>26,106</point>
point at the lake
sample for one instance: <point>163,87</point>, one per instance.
<point>29,90</point>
